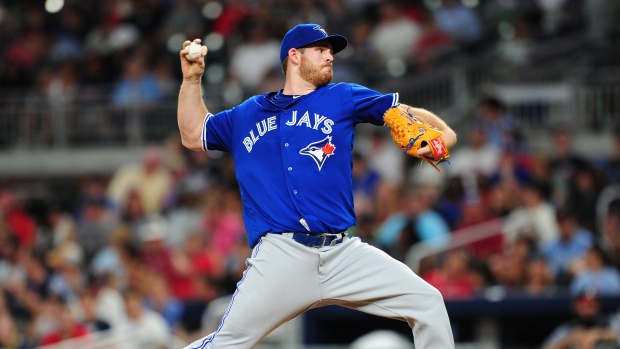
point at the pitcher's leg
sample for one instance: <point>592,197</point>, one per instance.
<point>378,284</point>
<point>279,283</point>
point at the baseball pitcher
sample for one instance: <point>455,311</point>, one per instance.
<point>293,160</point>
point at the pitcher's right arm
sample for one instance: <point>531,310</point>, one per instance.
<point>191,110</point>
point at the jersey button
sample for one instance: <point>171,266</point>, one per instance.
<point>290,169</point>
<point>286,144</point>
<point>294,191</point>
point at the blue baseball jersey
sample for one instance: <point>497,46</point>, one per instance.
<point>293,155</point>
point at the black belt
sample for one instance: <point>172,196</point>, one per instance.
<point>317,240</point>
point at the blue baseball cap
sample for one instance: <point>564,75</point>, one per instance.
<point>305,34</point>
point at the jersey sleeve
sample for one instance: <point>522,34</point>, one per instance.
<point>370,105</point>
<point>217,131</point>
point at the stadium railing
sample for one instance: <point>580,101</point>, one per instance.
<point>90,120</point>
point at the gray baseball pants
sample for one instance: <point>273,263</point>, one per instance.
<point>285,278</point>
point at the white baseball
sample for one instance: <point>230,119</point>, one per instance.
<point>194,51</point>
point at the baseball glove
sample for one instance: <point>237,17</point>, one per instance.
<point>410,134</point>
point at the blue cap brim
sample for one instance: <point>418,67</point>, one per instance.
<point>338,42</point>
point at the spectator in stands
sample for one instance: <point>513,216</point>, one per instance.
<point>556,15</point>
<point>35,124</point>
<point>583,194</point>
<point>477,160</point>
<point>493,115</point>
<point>515,48</point>
<point>434,42</point>
<point>365,184</point>
<point>234,12</point>
<point>360,7</point>
<point>234,266</point>
<point>538,278</point>
<point>136,273</point>
<point>337,16</point>
<point>182,17</point>
<point>451,201</point>
<point>386,159</point>
<point>611,238</point>
<point>460,22</point>
<point>199,257</point>
<point>16,219</point>
<point>309,12</point>
<point>149,178</point>
<point>174,159</point>
<point>108,35</point>
<point>570,246</point>
<point>611,165</point>
<point>137,85</point>
<point>67,278</point>
<point>133,214</point>
<point>364,60</point>
<point>109,305</point>
<point>517,164</point>
<point>184,216</point>
<point>508,268</point>
<point>15,296</point>
<point>416,222</point>
<point>88,312</point>
<point>51,103</point>
<point>67,327</point>
<point>564,164</point>
<point>535,216</point>
<point>28,49</point>
<point>161,301</point>
<point>9,335</point>
<point>454,278</point>
<point>9,253</point>
<point>503,197</point>
<point>193,309</point>
<point>394,23</point>
<point>95,225</point>
<point>254,57</point>
<point>143,328</point>
<point>108,262</point>
<point>44,321</point>
<point>365,229</point>
<point>62,226</point>
<point>588,327</point>
<point>35,278</point>
<point>596,273</point>
<point>478,213</point>
<point>222,219</point>
<point>159,260</point>
<point>166,81</point>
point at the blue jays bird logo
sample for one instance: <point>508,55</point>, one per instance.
<point>319,151</point>
<point>319,28</point>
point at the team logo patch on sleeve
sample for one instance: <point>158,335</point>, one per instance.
<point>319,151</point>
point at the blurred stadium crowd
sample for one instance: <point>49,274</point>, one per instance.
<point>133,44</point>
<point>149,247</point>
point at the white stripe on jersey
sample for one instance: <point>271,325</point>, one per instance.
<point>395,99</point>
<point>203,136</point>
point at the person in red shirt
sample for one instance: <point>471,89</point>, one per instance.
<point>67,328</point>
<point>454,279</point>
<point>19,222</point>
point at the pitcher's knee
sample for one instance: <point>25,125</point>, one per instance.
<point>429,303</point>
<point>435,295</point>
